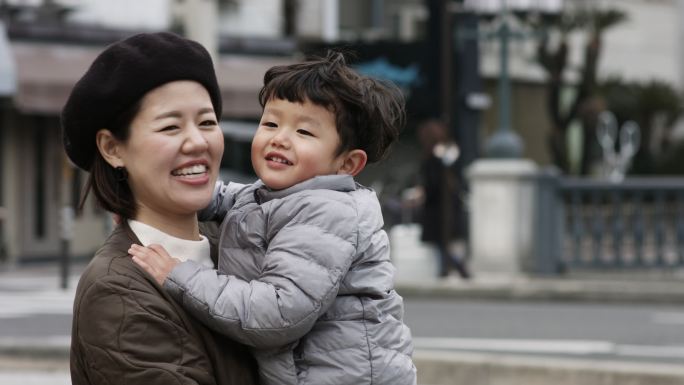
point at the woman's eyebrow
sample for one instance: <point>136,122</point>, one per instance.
<point>170,114</point>
<point>178,114</point>
<point>207,110</point>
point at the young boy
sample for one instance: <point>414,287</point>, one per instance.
<point>304,274</point>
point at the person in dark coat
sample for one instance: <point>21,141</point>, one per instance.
<point>143,121</point>
<point>443,216</point>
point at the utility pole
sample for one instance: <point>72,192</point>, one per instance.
<point>290,18</point>
<point>199,20</point>
<point>446,64</point>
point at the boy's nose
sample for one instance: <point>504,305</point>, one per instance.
<point>280,139</point>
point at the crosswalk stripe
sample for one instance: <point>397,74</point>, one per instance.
<point>23,304</point>
<point>563,347</point>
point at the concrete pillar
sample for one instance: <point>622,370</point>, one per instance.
<point>502,215</point>
<point>414,261</point>
<point>200,18</point>
<point>330,29</point>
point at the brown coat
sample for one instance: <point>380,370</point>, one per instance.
<point>127,330</point>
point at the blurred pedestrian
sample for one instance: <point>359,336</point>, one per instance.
<point>143,121</point>
<point>443,216</point>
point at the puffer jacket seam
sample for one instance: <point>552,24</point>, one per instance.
<point>185,293</point>
<point>365,328</point>
<point>303,223</point>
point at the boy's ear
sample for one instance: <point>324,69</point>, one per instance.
<point>354,162</point>
<point>109,148</point>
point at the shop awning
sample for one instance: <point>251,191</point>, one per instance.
<point>47,72</point>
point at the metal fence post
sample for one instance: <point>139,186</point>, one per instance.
<point>548,227</point>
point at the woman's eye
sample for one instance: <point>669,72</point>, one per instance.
<point>304,132</point>
<point>208,123</point>
<point>169,128</point>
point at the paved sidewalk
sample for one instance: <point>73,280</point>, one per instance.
<point>35,290</point>
<point>607,287</point>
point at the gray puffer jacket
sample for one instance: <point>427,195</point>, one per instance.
<point>306,280</point>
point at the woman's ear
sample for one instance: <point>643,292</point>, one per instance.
<point>353,162</point>
<point>109,147</point>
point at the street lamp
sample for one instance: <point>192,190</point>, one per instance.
<point>505,142</point>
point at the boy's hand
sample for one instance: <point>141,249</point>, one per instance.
<point>155,260</point>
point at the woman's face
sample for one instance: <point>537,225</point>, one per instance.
<point>173,151</point>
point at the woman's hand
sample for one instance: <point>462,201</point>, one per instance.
<point>155,260</point>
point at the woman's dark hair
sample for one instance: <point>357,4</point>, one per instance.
<point>369,113</point>
<point>111,190</point>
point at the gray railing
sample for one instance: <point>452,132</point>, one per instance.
<point>638,223</point>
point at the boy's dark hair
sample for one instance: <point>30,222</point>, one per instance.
<point>369,113</point>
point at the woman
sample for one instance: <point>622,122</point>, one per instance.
<point>443,217</point>
<point>143,122</point>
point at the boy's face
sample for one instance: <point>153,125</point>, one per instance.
<point>295,142</point>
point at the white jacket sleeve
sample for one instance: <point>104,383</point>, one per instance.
<point>301,273</point>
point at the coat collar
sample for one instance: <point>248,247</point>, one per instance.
<point>343,183</point>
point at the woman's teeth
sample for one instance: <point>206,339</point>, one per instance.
<point>192,170</point>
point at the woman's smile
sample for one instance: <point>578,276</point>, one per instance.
<point>175,149</point>
<point>193,173</point>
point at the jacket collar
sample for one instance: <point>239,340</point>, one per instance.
<point>343,183</point>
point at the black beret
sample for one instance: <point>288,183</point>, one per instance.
<point>120,76</point>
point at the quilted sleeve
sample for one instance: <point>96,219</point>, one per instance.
<point>129,335</point>
<point>304,264</point>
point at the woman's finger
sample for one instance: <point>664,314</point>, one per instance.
<point>142,264</point>
<point>159,249</point>
<point>140,253</point>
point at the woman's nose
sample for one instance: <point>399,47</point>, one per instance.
<point>195,140</point>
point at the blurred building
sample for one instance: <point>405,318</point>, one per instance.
<point>50,43</point>
<point>644,47</point>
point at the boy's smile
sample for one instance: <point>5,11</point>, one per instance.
<point>274,157</point>
<point>295,142</point>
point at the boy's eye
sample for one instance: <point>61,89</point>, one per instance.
<point>304,132</point>
<point>269,124</point>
